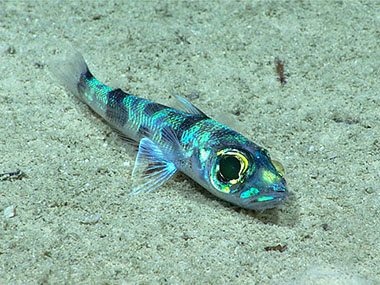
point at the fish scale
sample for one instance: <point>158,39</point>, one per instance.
<point>223,161</point>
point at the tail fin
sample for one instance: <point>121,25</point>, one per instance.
<point>69,72</point>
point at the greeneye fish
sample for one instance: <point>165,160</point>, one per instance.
<point>223,161</point>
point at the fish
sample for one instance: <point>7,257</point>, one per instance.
<point>179,139</point>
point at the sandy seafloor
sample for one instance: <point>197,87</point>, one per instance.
<point>74,222</point>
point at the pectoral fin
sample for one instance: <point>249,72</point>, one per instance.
<point>152,167</point>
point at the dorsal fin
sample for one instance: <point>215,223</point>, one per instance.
<point>185,106</point>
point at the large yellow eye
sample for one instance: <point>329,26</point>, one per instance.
<point>232,166</point>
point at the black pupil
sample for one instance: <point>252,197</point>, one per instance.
<point>229,167</point>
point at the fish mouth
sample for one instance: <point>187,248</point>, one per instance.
<point>271,197</point>
<point>268,201</point>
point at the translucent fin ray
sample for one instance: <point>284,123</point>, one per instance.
<point>183,105</point>
<point>69,71</point>
<point>152,167</point>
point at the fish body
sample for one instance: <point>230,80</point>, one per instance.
<point>223,161</point>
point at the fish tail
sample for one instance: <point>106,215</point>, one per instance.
<point>70,73</point>
<point>74,75</point>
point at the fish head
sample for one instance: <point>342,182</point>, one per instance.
<point>246,176</point>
